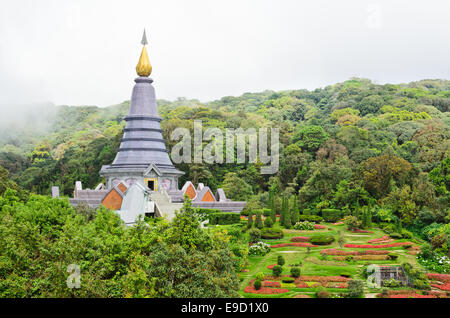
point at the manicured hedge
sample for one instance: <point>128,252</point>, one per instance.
<point>224,218</point>
<point>310,218</point>
<point>271,233</point>
<point>331,215</point>
<point>322,239</point>
<point>205,213</point>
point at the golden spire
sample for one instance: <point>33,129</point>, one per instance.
<point>143,68</point>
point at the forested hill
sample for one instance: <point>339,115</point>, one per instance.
<point>350,142</point>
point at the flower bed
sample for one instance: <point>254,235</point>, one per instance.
<point>377,246</point>
<point>333,251</point>
<point>293,244</point>
<point>322,279</point>
<point>363,258</point>
<point>445,287</point>
<point>267,283</point>
<point>264,289</point>
<point>338,223</point>
<point>321,284</point>
<point>360,231</point>
<point>299,239</point>
<point>445,278</point>
<point>301,296</point>
<point>383,239</point>
<point>319,227</point>
<point>412,296</point>
<point>271,266</point>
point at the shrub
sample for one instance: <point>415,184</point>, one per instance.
<point>260,276</point>
<point>304,226</point>
<point>323,293</point>
<point>391,283</point>
<point>249,221</point>
<point>205,214</point>
<point>426,251</point>
<point>272,233</point>
<point>393,256</point>
<point>288,280</point>
<point>268,222</point>
<point>349,258</point>
<point>224,218</point>
<point>355,288</point>
<point>295,272</point>
<point>258,220</point>
<point>331,215</point>
<point>266,212</point>
<point>352,222</point>
<point>281,261</point>
<point>407,234</point>
<point>346,274</point>
<point>310,218</point>
<point>324,239</point>
<point>421,284</point>
<point>254,235</point>
<point>257,284</point>
<point>259,248</point>
<point>395,235</point>
<point>277,270</point>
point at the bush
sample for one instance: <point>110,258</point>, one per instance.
<point>324,239</point>
<point>271,233</point>
<point>426,251</point>
<point>391,283</point>
<point>392,256</point>
<point>310,218</point>
<point>281,261</point>
<point>266,212</point>
<point>259,248</point>
<point>304,226</point>
<point>224,218</point>
<point>260,276</point>
<point>277,270</point>
<point>421,284</point>
<point>395,235</point>
<point>331,215</point>
<point>323,293</point>
<point>295,272</point>
<point>407,234</point>
<point>205,214</point>
<point>349,258</point>
<point>288,280</point>
<point>257,284</point>
<point>254,235</point>
<point>346,274</point>
<point>355,288</point>
<point>268,222</point>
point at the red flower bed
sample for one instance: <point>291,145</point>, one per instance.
<point>412,296</point>
<point>445,278</point>
<point>442,286</point>
<point>322,284</point>
<point>267,283</point>
<point>360,231</point>
<point>299,239</point>
<point>377,246</point>
<point>333,251</point>
<point>379,240</point>
<point>265,290</point>
<point>293,244</point>
<point>322,279</point>
<point>271,266</point>
<point>319,227</point>
<point>338,223</point>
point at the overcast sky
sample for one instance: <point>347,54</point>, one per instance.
<point>84,52</point>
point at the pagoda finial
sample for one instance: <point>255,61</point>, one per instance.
<point>144,68</point>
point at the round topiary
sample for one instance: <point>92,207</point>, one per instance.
<point>260,276</point>
<point>323,239</point>
<point>257,284</point>
<point>281,261</point>
<point>295,272</point>
<point>277,270</point>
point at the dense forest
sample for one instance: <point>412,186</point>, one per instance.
<point>355,146</point>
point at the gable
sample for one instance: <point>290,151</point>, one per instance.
<point>190,191</point>
<point>151,168</point>
<point>208,197</point>
<point>113,200</point>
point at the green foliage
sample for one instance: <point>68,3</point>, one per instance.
<point>277,270</point>
<point>322,239</point>
<point>304,226</point>
<point>268,222</point>
<point>310,218</point>
<point>331,215</point>
<point>323,293</point>
<point>355,288</point>
<point>288,280</point>
<point>260,276</point>
<point>254,235</point>
<point>257,284</point>
<point>271,233</point>
<point>258,220</point>
<point>280,260</point>
<point>224,218</point>
<point>295,272</point>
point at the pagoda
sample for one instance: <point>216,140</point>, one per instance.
<point>142,156</point>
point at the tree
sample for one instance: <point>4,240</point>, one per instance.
<point>258,220</point>
<point>250,220</point>
<point>236,188</point>
<point>309,137</point>
<point>295,212</point>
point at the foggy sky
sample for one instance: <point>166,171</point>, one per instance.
<point>85,52</point>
